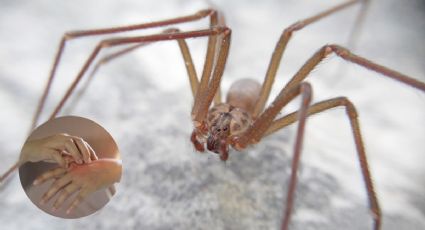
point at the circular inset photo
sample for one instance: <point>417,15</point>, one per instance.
<point>71,167</point>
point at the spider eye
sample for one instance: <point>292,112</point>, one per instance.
<point>219,130</point>
<point>225,129</point>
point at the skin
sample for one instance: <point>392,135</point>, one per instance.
<point>59,148</point>
<point>83,179</point>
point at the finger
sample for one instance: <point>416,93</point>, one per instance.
<point>78,199</point>
<point>57,141</point>
<point>64,195</point>
<point>93,155</point>
<point>73,150</point>
<point>82,147</point>
<point>54,173</point>
<point>59,159</point>
<point>55,187</point>
<point>67,158</point>
<point>44,154</point>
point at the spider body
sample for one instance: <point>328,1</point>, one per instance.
<point>232,118</point>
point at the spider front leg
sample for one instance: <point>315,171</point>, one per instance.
<point>285,38</point>
<point>215,20</point>
<point>112,30</point>
<point>351,57</point>
<point>128,41</point>
<point>204,96</point>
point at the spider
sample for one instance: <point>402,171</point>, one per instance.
<point>243,120</point>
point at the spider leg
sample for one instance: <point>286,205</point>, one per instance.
<point>85,33</point>
<point>205,97</point>
<point>347,55</point>
<point>104,60</point>
<point>190,68</point>
<point>212,57</point>
<point>351,111</point>
<point>215,45</point>
<point>284,39</point>
<point>128,41</point>
<point>355,127</point>
<point>9,171</point>
<point>256,131</point>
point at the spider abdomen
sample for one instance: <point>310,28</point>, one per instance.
<point>244,94</point>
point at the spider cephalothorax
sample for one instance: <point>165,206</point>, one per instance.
<point>225,121</point>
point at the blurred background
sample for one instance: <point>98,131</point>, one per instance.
<point>144,101</point>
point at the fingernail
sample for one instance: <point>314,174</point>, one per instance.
<point>54,208</point>
<point>35,182</point>
<point>79,161</point>
<point>68,211</point>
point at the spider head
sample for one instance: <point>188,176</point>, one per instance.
<point>224,122</point>
<point>218,133</point>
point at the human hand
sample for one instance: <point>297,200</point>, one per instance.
<point>60,148</point>
<point>85,179</point>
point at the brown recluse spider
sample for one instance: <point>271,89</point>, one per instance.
<point>242,120</point>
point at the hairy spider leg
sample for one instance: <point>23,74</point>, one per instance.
<point>134,40</point>
<point>85,33</point>
<point>215,20</point>
<point>265,125</point>
<point>283,41</point>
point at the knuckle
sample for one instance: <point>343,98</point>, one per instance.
<point>60,135</point>
<point>70,141</point>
